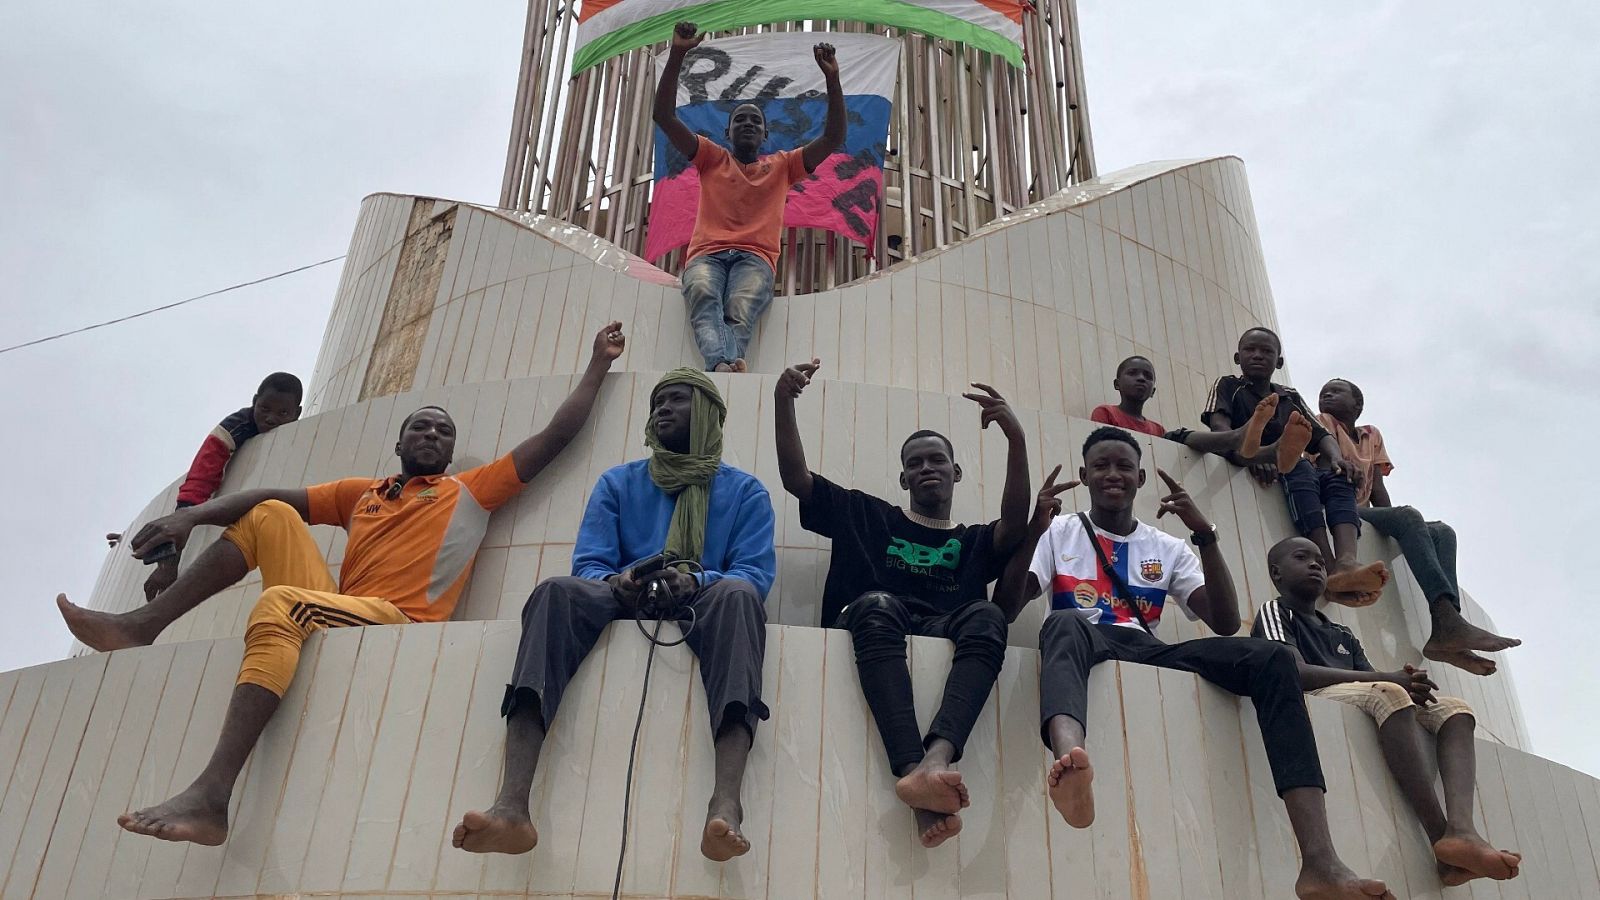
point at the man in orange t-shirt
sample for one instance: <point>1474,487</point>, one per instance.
<point>733,253</point>
<point>413,537</point>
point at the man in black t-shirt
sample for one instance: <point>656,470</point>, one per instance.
<point>911,571</point>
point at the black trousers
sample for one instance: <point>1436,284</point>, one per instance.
<point>878,625</point>
<point>1262,670</point>
<point>563,619</point>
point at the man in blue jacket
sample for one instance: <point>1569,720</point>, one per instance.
<point>687,504</point>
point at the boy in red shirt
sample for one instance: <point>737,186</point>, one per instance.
<point>733,253</point>
<point>1135,383</point>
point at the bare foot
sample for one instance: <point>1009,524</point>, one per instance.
<point>101,631</point>
<point>721,840</point>
<point>1352,578</point>
<point>1462,659</point>
<point>192,816</point>
<point>932,788</point>
<point>1473,853</point>
<point>935,828</point>
<point>739,366</point>
<point>1250,444</point>
<point>1293,442</point>
<point>1450,876</point>
<point>1354,599</point>
<point>722,367</point>
<point>1452,632</point>
<point>1335,881</point>
<point>1071,784</point>
<point>497,830</point>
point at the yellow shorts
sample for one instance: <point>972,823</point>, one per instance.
<point>298,595</point>
<point>1382,699</point>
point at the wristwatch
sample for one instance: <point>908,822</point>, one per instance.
<point>1204,538</point>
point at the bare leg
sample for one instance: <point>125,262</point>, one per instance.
<point>1401,739</point>
<point>507,826</point>
<point>1323,876</point>
<point>933,781</point>
<point>721,840</point>
<point>1459,845</point>
<point>221,565</point>
<point>1071,777</point>
<point>200,813</point>
<point>932,784</point>
<point>1349,582</point>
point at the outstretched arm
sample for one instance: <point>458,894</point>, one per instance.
<point>1215,601</point>
<point>1018,586</point>
<point>792,466</point>
<point>224,510</point>
<point>533,454</point>
<point>833,129</point>
<point>684,39</point>
<point>1014,496</point>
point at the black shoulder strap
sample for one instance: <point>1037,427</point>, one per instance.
<point>1118,586</point>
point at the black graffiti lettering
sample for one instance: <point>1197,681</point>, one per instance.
<point>774,87</point>
<point>851,166</point>
<point>863,196</point>
<point>695,77</point>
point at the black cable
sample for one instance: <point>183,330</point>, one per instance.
<point>660,614</point>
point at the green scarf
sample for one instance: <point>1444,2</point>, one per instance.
<point>687,476</point>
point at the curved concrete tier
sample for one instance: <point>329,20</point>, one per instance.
<point>389,734</point>
<point>1161,260</point>
<point>858,427</point>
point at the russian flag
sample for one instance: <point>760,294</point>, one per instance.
<point>778,73</point>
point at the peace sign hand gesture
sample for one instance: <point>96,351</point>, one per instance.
<point>1048,503</point>
<point>1182,505</point>
<point>995,409</point>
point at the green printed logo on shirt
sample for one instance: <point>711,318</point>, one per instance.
<point>922,557</point>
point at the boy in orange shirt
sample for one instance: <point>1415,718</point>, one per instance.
<point>733,253</point>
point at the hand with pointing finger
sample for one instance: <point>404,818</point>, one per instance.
<point>995,409</point>
<point>1048,504</point>
<point>1182,505</point>
<point>795,379</point>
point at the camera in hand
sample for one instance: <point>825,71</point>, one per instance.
<point>164,552</point>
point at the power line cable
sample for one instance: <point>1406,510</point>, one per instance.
<point>176,303</point>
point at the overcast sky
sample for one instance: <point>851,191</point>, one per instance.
<point>1423,174</point>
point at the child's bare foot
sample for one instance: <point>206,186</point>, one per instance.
<point>934,828</point>
<point>1450,876</point>
<point>934,788</point>
<point>1293,442</point>
<point>1355,585</point>
<point>1335,881</point>
<point>721,840</point>
<point>496,830</point>
<point>1250,444</point>
<point>1452,632</point>
<point>739,366</point>
<point>1474,854</point>
<point>1071,784</point>
<point>196,816</point>
<point>99,630</point>
<point>1465,660</point>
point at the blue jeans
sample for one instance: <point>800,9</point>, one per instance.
<point>1318,498</point>
<point>1430,548</point>
<point>727,292</point>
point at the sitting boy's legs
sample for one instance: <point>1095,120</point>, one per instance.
<point>283,618</point>
<point>1260,670</point>
<point>1461,853</point>
<point>270,536</point>
<point>879,624</point>
<point>705,288</point>
<point>1322,505</point>
<point>749,293</point>
<point>1430,551</point>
